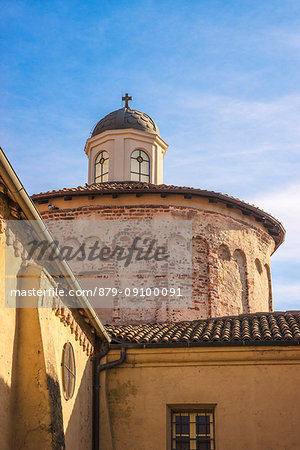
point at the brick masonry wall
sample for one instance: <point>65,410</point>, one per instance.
<point>230,255</point>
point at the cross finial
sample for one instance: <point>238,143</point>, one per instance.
<point>126,99</point>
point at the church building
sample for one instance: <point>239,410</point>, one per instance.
<point>219,372</point>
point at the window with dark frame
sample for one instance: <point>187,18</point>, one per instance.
<point>101,167</point>
<point>193,430</point>
<point>140,166</point>
<point>68,371</point>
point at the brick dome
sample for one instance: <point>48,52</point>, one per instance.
<point>126,118</point>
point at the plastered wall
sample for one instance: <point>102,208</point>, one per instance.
<point>254,390</point>
<point>34,413</point>
<point>119,145</point>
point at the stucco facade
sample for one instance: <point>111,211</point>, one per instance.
<point>34,413</point>
<point>119,145</point>
<point>253,392</point>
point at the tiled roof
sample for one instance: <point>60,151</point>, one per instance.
<point>278,328</point>
<point>111,186</point>
<point>274,227</point>
<point>124,186</point>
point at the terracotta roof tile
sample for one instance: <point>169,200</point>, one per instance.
<point>277,327</point>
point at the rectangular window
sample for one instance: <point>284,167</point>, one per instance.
<point>193,430</point>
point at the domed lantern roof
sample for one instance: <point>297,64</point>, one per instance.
<point>125,146</point>
<point>126,118</point>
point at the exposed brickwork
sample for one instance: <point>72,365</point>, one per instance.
<point>273,227</point>
<point>222,285</point>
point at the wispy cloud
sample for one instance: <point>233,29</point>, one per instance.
<point>227,138</point>
<point>287,296</point>
<point>283,203</point>
<point>286,38</point>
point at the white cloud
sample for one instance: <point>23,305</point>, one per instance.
<point>240,147</point>
<point>221,112</point>
<point>284,204</point>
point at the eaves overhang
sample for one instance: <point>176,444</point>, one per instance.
<point>274,228</point>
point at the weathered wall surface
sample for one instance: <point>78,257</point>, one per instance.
<point>76,412</point>
<point>7,333</point>
<point>225,246</point>
<point>262,283</point>
<point>34,413</point>
<point>255,391</point>
<point>45,418</point>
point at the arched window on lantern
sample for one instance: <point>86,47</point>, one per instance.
<point>139,166</point>
<point>101,167</point>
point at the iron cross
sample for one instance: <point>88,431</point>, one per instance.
<point>126,99</point>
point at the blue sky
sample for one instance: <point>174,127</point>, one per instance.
<point>220,78</point>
